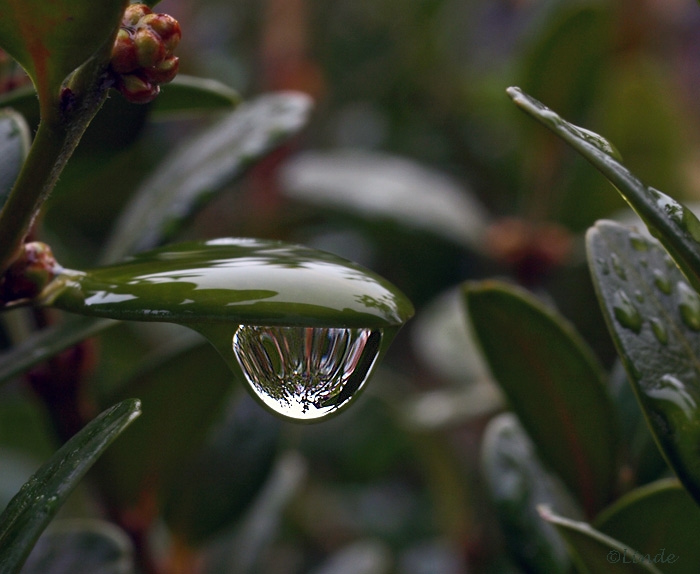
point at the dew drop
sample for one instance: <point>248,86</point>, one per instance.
<point>659,330</point>
<point>305,373</point>
<point>689,306</point>
<point>604,267</point>
<point>596,140</point>
<point>639,296</point>
<point>671,389</point>
<point>617,266</point>
<point>662,282</point>
<point>626,313</point>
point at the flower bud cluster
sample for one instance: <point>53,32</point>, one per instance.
<point>142,56</point>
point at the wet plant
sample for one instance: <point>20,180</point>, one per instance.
<point>301,329</point>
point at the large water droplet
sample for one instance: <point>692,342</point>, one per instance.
<point>662,282</point>
<point>689,306</point>
<point>671,389</point>
<point>305,373</point>
<point>626,313</point>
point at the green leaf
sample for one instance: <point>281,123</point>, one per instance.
<point>658,519</point>
<point>189,94</point>
<point>70,546</point>
<point>215,486</point>
<point>203,166</point>
<point>597,553</point>
<point>51,39</point>
<point>518,484</point>
<point>654,318</point>
<point>554,385</point>
<point>672,223</point>
<point>44,344</point>
<point>14,145</point>
<point>234,281</point>
<point>30,511</point>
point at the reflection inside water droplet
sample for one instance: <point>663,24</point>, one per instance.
<point>305,373</point>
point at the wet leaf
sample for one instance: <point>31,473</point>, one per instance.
<point>673,224</point>
<point>659,520</point>
<point>30,511</point>
<point>203,166</point>
<point>654,317</point>
<point>51,39</point>
<point>14,145</point>
<point>595,552</point>
<point>553,383</point>
<point>518,483</point>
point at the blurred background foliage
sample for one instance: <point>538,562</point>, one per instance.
<point>415,164</point>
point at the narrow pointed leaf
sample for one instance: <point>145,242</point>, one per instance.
<point>596,553</point>
<point>31,510</point>
<point>672,223</point>
<point>203,166</point>
<point>554,385</point>
<point>518,484</point>
<point>670,537</point>
<point>51,39</point>
<point>14,145</point>
<point>654,317</point>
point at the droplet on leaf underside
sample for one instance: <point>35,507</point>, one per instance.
<point>306,373</point>
<point>689,306</point>
<point>659,330</point>
<point>670,389</point>
<point>638,242</point>
<point>662,282</point>
<point>617,266</point>
<point>626,313</point>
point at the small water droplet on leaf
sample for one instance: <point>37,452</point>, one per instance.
<point>659,330</point>
<point>662,282</point>
<point>626,313</point>
<point>638,242</point>
<point>689,306</point>
<point>672,390</point>
<point>617,266</point>
<point>306,373</point>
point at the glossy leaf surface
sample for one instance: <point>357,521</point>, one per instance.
<point>597,553</point>
<point>654,317</point>
<point>190,95</point>
<point>51,39</point>
<point>30,511</point>
<point>518,484</point>
<point>553,384</point>
<point>203,166</point>
<point>14,145</point>
<point>659,519</point>
<point>234,281</point>
<point>672,223</point>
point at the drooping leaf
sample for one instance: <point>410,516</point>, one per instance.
<point>202,167</point>
<point>51,39</point>
<point>87,545</point>
<point>215,486</point>
<point>654,317</point>
<point>596,553</point>
<point>44,344</point>
<point>660,520</point>
<point>554,385</point>
<point>673,224</point>
<point>30,511</point>
<point>14,145</point>
<point>518,484</point>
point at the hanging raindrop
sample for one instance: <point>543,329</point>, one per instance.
<point>305,373</point>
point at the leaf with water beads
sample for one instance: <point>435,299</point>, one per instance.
<point>34,506</point>
<point>657,336</point>
<point>302,328</point>
<point>672,223</point>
